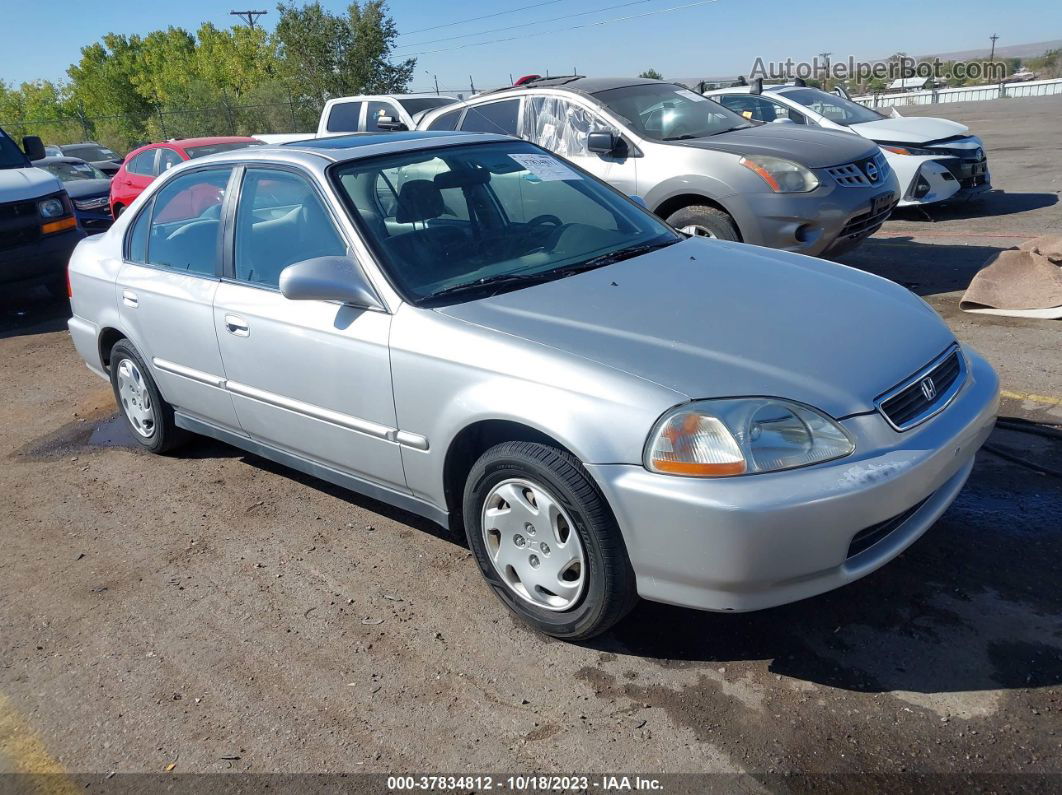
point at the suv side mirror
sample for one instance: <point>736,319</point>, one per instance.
<point>33,146</point>
<point>603,143</point>
<point>390,123</point>
<point>328,279</point>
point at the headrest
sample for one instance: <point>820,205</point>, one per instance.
<point>419,200</point>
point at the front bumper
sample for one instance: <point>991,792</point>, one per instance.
<point>747,543</point>
<point>40,261</point>
<point>828,220</point>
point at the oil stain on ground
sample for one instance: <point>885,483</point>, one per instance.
<point>108,431</point>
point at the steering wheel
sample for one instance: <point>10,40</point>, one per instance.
<point>545,219</point>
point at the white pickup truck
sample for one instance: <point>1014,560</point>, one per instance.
<point>366,113</point>
<point>38,228</point>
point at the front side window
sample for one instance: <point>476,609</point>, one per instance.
<point>665,112</point>
<point>464,221</point>
<point>280,220</point>
<point>10,155</point>
<point>559,125</point>
<point>374,111</point>
<point>833,107</point>
<point>492,117</point>
<point>186,222</point>
<point>344,117</point>
<point>143,164</point>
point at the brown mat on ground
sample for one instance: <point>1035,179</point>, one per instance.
<point>1023,282</point>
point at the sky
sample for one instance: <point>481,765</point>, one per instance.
<point>679,38</point>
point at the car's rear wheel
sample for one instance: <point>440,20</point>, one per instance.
<point>703,221</point>
<point>118,210</point>
<point>149,417</point>
<point>546,540</point>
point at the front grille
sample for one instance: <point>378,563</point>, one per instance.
<point>857,174</point>
<point>91,204</point>
<point>924,394</point>
<point>869,536</point>
<point>19,224</point>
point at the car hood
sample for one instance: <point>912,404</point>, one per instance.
<point>83,188</point>
<point>19,184</point>
<point>810,148</point>
<point>714,319</point>
<point>909,129</point>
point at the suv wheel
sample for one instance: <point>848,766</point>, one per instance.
<point>546,541</point>
<point>702,221</point>
<point>149,417</point>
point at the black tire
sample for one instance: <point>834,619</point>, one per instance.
<point>118,210</point>
<point>717,222</point>
<point>610,592</point>
<point>165,435</point>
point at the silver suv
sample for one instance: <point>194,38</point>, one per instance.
<point>699,166</point>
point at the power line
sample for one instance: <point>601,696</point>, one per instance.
<point>476,19</point>
<point>525,24</point>
<point>560,30</point>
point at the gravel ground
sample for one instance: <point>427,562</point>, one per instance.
<point>214,612</point>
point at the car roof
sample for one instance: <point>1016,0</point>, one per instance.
<point>208,140</point>
<point>359,97</point>
<point>584,85</point>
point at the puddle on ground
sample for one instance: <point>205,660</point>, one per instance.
<point>110,431</point>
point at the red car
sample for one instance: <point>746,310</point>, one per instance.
<point>142,165</point>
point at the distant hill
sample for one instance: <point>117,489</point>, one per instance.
<point>1002,51</point>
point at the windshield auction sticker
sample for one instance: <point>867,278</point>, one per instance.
<point>546,168</point>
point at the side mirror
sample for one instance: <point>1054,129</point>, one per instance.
<point>33,146</point>
<point>390,123</point>
<point>603,143</point>
<point>328,279</point>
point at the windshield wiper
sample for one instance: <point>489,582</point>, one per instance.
<point>683,137</point>
<point>489,282</point>
<point>616,256</point>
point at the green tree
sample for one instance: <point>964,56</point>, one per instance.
<point>651,74</point>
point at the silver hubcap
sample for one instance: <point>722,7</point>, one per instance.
<point>533,545</point>
<point>697,231</point>
<point>136,400</point>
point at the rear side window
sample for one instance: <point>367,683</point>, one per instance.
<point>186,223</point>
<point>280,220</point>
<point>344,117</point>
<point>446,121</point>
<point>143,163</point>
<point>492,117</point>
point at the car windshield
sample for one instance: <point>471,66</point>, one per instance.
<point>415,105</point>
<point>666,112</point>
<point>467,221</point>
<point>90,152</point>
<point>72,172</point>
<point>213,149</point>
<point>834,107</point>
<point>10,155</point>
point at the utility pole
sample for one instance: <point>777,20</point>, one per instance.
<point>472,85</point>
<point>436,81</point>
<point>250,17</point>
<point>992,57</point>
<point>825,69</point>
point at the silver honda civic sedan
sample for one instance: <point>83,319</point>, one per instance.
<point>469,328</point>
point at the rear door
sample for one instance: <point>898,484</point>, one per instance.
<point>309,377</point>
<point>166,287</point>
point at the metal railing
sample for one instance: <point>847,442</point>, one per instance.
<point>1032,88</point>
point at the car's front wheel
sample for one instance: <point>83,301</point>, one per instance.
<point>702,221</point>
<point>149,417</point>
<point>546,540</point>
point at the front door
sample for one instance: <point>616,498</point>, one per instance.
<point>310,377</point>
<point>166,292</point>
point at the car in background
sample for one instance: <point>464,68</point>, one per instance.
<point>38,229</point>
<point>475,330</point>
<point>51,150</point>
<point>88,187</point>
<point>935,160</point>
<point>366,113</point>
<point>106,160</point>
<point>142,165</point>
<point>702,168</point>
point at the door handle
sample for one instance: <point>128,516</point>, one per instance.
<point>236,325</point>
<point>129,298</point>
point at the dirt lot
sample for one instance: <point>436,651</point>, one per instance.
<point>215,612</point>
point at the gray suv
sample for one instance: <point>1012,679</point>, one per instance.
<point>701,167</point>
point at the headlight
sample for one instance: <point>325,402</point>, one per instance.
<point>911,150</point>
<point>783,176</point>
<point>737,436</point>
<point>51,208</point>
